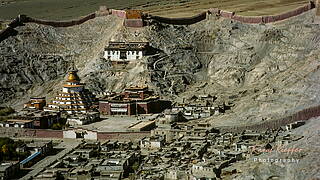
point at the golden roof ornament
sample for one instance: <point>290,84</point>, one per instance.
<point>72,74</point>
<point>73,77</point>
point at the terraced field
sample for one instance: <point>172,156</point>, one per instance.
<point>68,9</point>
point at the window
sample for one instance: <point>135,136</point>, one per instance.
<point>123,55</point>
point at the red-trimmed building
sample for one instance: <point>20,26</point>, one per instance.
<point>133,101</point>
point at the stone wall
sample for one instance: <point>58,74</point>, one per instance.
<point>122,135</point>
<point>180,21</point>
<point>234,16</point>
<point>119,13</point>
<point>175,21</point>
<point>61,23</point>
<point>59,134</point>
<point>32,133</point>
<point>262,19</point>
<point>302,115</point>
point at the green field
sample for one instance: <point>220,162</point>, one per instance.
<point>68,9</point>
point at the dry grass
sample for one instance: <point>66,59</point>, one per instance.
<point>68,9</point>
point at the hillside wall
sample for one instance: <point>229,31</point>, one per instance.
<point>181,21</point>
<point>302,115</point>
<point>175,21</point>
<point>234,16</point>
<point>60,23</point>
<point>119,13</point>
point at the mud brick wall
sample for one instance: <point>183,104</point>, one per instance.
<point>226,14</point>
<point>61,23</point>
<point>122,135</point>
<point>181,21</point>
<point>48,133</point>
<point>262,19</point>
<point>16,132</point>
<point>119,13</point>
<point>248,19</point>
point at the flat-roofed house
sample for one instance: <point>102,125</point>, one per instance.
<point>17,123</point>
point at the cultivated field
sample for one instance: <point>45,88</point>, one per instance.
<point>68,9</point>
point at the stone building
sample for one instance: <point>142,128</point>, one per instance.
<point>133,101</point>
<point>73,98</point>
<point>87,118</point>
<point>123,52</point>
<point>35,103</point>
<point>32,119</point>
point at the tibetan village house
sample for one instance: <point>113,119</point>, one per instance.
<point>133,101</point>
<point>122,52</point>
<point>73,98</point>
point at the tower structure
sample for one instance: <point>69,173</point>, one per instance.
<point>73,98</point>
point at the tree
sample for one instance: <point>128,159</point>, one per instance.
<point>4,149</point>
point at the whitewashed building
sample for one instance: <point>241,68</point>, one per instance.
<point>82,120</point>
<point>125,52</point>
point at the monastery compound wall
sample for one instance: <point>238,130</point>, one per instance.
<point>129,22</point>
<point>302,115</point>
<point>69,134</point>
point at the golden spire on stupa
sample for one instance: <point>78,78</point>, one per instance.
<point>72,74</point>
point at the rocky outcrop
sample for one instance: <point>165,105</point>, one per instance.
<point>34,59</point>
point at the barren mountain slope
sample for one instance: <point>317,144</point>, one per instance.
<point>266,71</point>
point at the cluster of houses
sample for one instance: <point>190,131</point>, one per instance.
<point>35,119</point>
<point>93,160</point>
<point>198,151</point>
<point>195,151</point>
<point>37,151</point>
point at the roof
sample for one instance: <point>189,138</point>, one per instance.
<point>135,88</point>
<point>5,165</point>
<point>32,156</point>
<point>38,98</point>
<point>127,45</point>
<point>141,124</point>
<point>78,85</point>
<point>19,121</point>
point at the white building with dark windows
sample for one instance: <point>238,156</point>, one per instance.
<point>125,51</point>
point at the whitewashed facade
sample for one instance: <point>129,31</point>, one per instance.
<point>121,51</point>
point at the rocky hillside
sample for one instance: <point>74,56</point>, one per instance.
<point>264,71</point>
<point>306,150</point>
